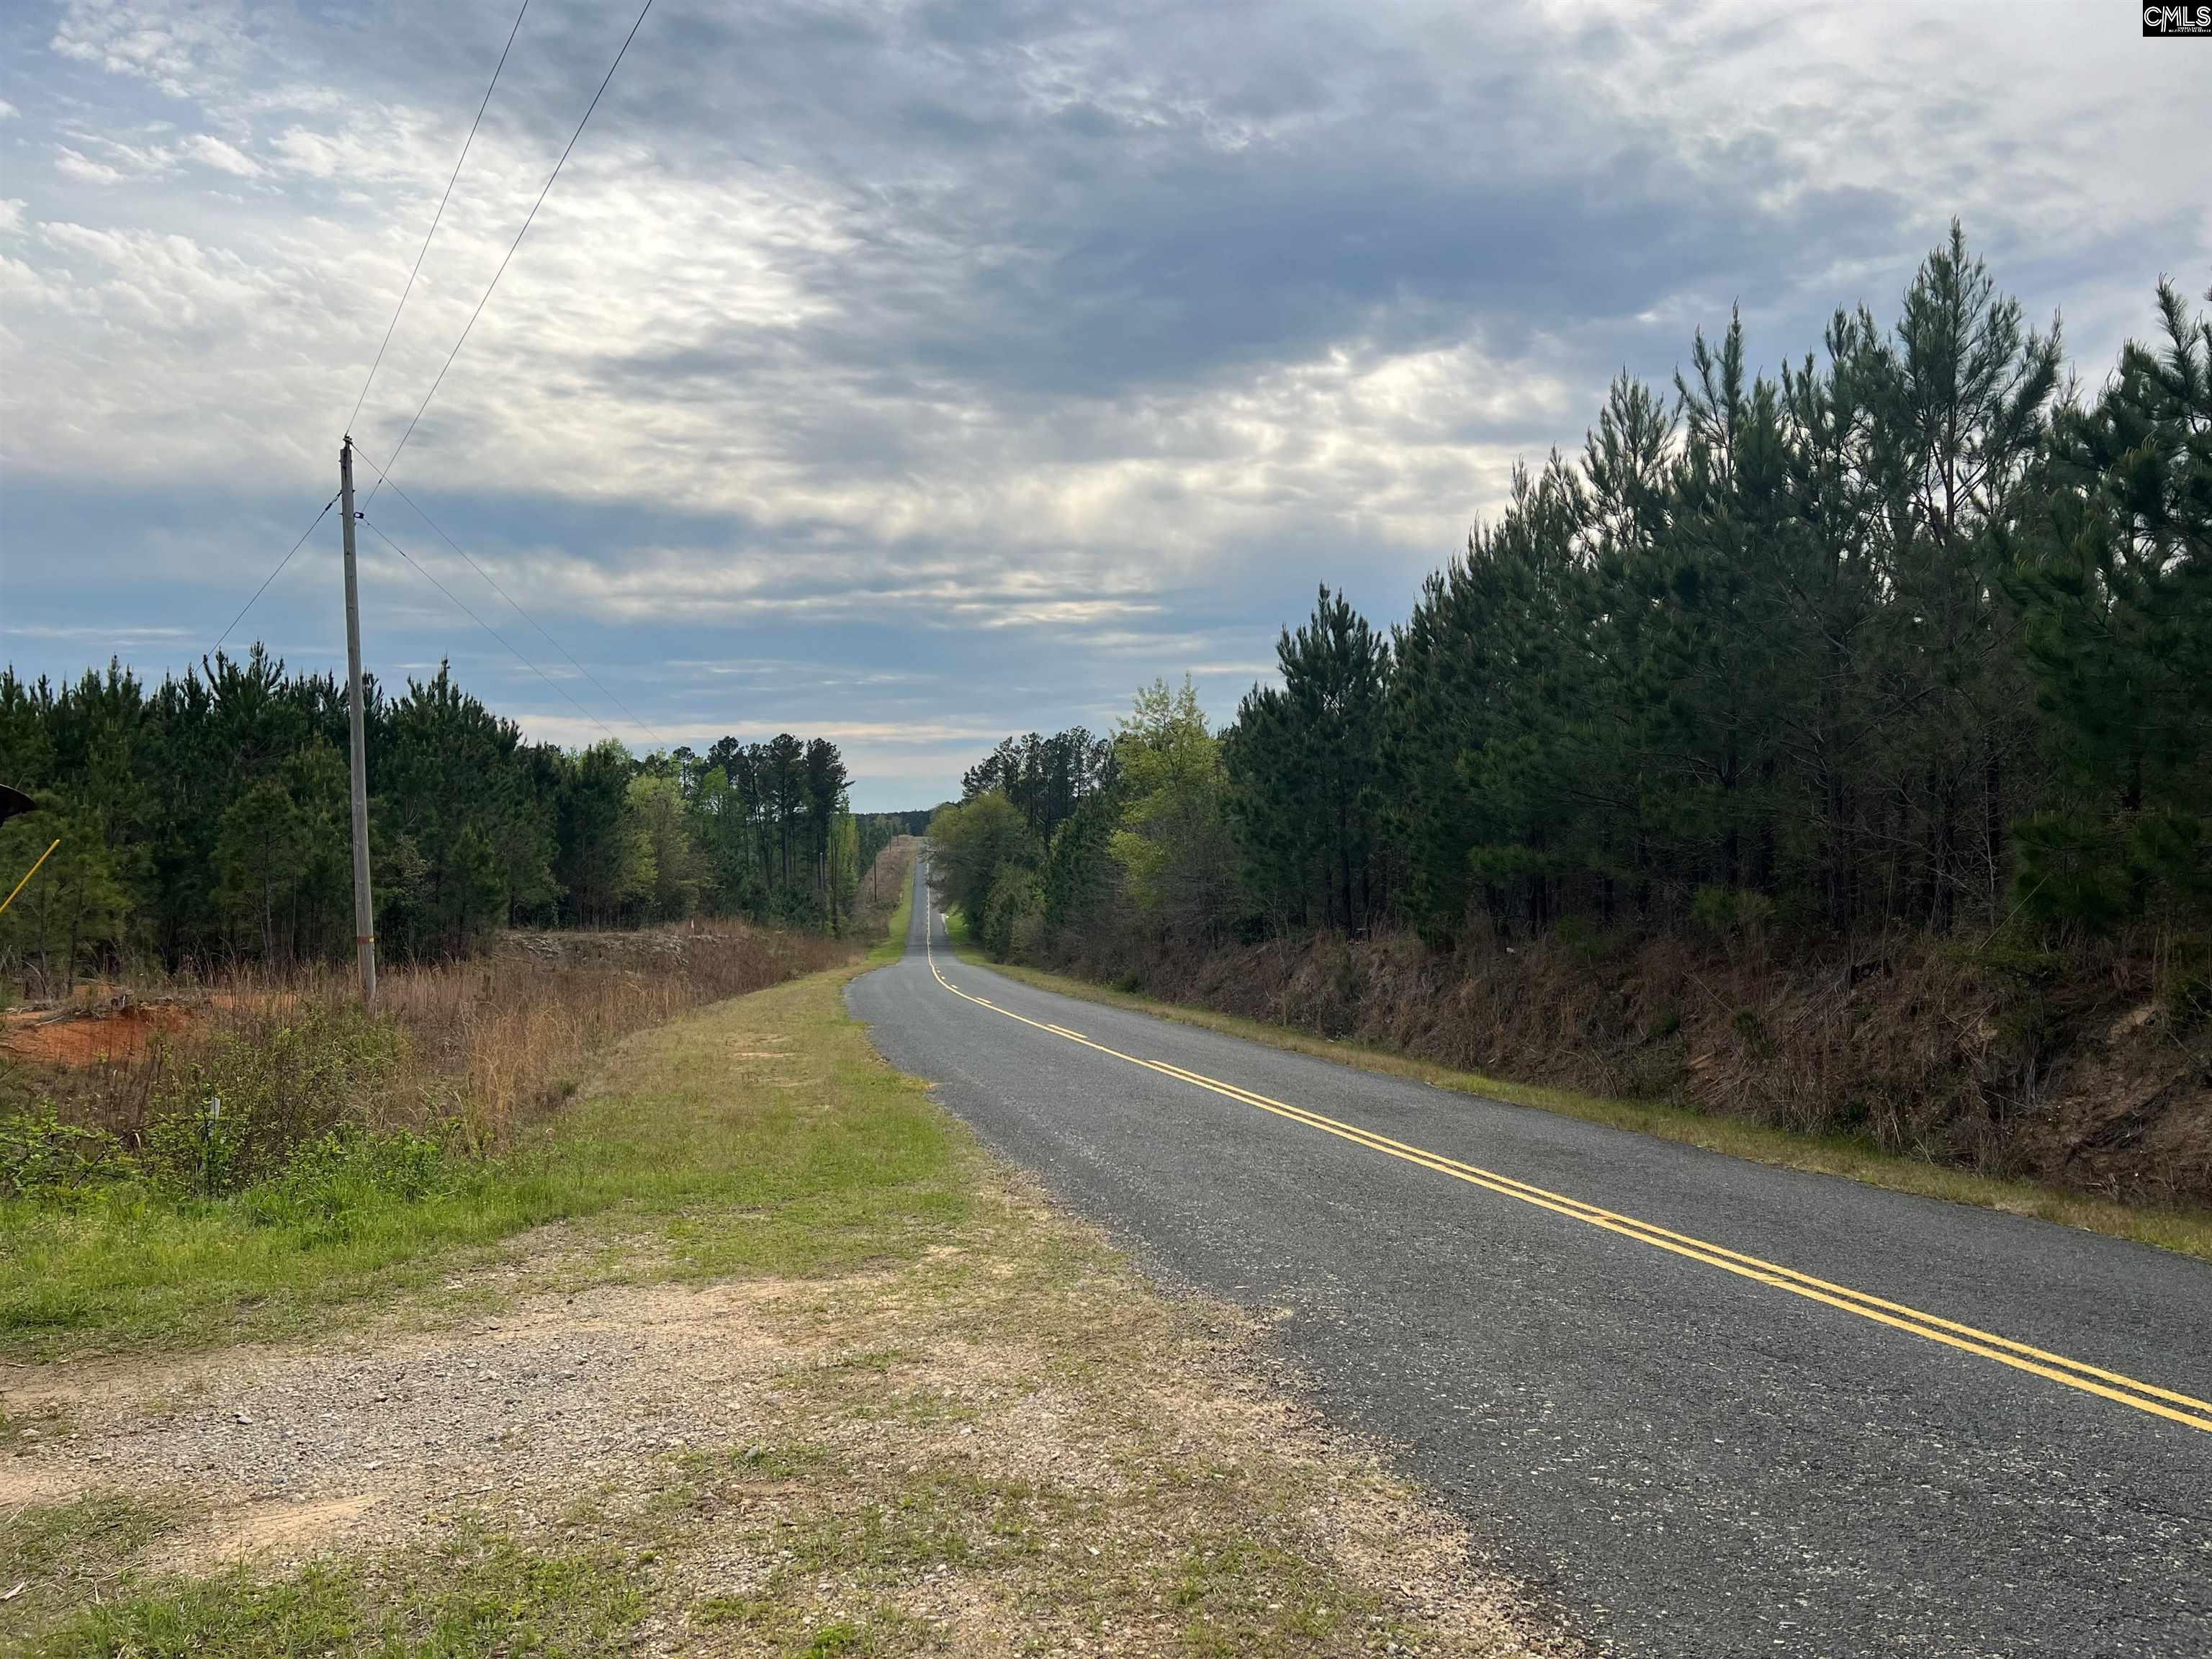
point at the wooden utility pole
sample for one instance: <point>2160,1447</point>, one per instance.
<point>364,911</point>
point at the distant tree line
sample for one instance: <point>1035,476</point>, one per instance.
<point>1914,635</point>
<point>205,819</point>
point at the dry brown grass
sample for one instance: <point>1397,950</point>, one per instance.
<point>940,1417</point>
<point>482,1044</point>
<point>2080,1071</point>
<point>511,1032</point>
<point>474,1048</point>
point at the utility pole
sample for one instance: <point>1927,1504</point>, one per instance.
<point>364,911</point>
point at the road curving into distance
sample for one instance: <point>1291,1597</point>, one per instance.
<point>1704,1407</point>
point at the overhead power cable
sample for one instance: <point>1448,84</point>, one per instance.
<point>516,604</point>
<point>272,576</point>
<point>392,459</point>
<point>436,218</point>
<point>423,571</point>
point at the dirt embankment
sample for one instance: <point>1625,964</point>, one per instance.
<point>93,1029</point>
<point>2091,1073</point>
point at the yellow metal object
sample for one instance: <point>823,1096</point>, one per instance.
<point>28,873</point>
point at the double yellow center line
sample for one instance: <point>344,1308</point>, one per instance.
<point>2056,1367</point>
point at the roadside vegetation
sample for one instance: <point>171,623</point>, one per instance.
<point>276,1151</point>
<point>2186,1230</point>
<point>202,825</point>
<point>803,1373</point>
<point>1830,753</point>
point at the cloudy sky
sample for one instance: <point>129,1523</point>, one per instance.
<point>915,373</point>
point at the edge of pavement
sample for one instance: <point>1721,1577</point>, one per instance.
<point>2183,1231</point>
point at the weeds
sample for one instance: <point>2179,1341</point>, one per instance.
<point>54,1554</point>
<point>40,1153</point>
<point>464,1053</point>
<point>289,1149</point>
<point>2182,1226</point>
<point>476,1595</point>
<point>1996,1055</point>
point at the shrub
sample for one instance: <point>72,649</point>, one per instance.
<point>40,1153</point>
<point>346,1171</point>
<point>1014,912</point>
<point>232,1109</point>
<point>1724,912</point>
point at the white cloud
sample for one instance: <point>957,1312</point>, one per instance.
<point>181,46</point>
<point>1080,349</point>
<point>214,153</point>
<point>105,636</point>
<point>72,164</point>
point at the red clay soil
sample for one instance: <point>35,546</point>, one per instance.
<point>86,1036</point>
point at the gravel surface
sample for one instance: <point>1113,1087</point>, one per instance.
<point>351,1444</point>
<point>1009,1444</point>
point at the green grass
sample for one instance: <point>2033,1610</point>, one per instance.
<point>892,946</point>
<point>760,1136</point>
<point>1117,1497</point>
<point>65,1552</point>
<point>475,1594</point>
<point>2187,1232</point>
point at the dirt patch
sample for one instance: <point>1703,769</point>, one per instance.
<point>90,1035</point>
<point>272,1531</point>
<point>1010,1444</point>
<point>357,1439</point>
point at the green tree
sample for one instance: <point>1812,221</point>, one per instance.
<point>71,916</point>
<point>972,846</point>
<point>1173,842</point>
<point>2119,639</point>
<point>1305,760</point>
<point>668,873</point>
<point>259,850</point>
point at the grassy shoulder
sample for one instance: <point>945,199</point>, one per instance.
<point>912,1410</point>
<point>2188,1232</point>
<point>473,1591</point>
<point>829,1158</point>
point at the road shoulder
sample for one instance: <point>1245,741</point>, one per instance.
<point>2186,1232</point>
<point>892,1401</point>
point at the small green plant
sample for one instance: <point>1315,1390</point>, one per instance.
<point>1576,935</point>
<point>40,1153</point>
<point>1751,1031</point>
<point>1727,912</point>
<point>231,1111</point>
<point>346,1171</point>
<point>742,1610</point>
<point>783,1462</point>
<point>2185,991</point>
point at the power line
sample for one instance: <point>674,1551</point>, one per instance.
<point>393,458</point>
<point>424,572</point>
<point>436,217</point>
<point>272,576</point>
<point>517,605</point>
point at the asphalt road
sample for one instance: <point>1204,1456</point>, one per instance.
<point>1685,1453</point>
